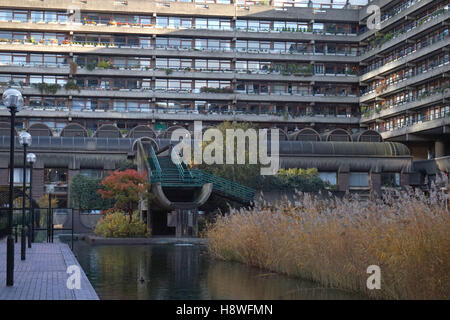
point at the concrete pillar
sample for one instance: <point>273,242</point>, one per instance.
<point>404,179</point>
<point>186,223</point>
<point>343,179</point>
<point>70,174</point>
<point>375,179</point>
<point>439,149</point>
<point>38,183</point>
<point>4,177</point>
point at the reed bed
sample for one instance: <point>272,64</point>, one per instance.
<point>333,241</point>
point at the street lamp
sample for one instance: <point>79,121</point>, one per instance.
<point>50,190</point>
<point>31,159</point>
<point>25,141</point>
<point>13,100</point>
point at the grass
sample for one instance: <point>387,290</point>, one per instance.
<point>333,241</point>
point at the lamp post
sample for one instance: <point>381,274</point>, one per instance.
<point>50,190</point>
<point>25,141</point>
<point>13,100</point>
<point>31,159</point>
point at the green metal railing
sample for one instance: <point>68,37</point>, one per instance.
<point>171,174</point>
<point>225,187</point>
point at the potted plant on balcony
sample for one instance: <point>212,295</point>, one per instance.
<point>72,85</point>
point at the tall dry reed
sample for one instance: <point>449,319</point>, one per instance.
<point>333,241</point>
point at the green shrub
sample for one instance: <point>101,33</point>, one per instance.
<point>118,225</point>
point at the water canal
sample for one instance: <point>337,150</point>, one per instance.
<point>186,272</point>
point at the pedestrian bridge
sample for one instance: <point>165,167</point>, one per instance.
<point>171,175</point>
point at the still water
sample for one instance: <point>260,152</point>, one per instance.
<point>186,272</point>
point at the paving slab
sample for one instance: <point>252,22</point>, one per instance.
<point>43,275</point>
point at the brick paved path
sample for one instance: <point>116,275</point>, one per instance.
<point>42,276</point>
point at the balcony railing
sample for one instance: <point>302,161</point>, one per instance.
<point>404,54</point>
<point>388,37</point>
<point>390,105</point>
<point>381,89</point>
<point>420,119</point>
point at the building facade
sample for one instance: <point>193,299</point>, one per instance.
<point>315,69</point>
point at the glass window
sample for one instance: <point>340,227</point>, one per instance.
<point>329,177</point>
<point>359,179</point>
<point>18,175</point>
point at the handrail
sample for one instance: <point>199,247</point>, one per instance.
<point>158,170</point>
<point>183,171</point>
<point>179,176</point>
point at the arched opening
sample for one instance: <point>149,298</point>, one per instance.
<point>108,131</point>
<point>306,134</point>
<point>368,136</point>
<point>74,130</point>
<point>40,130</point>
<point>141,131</point>
<point>5,129</point>
<point>338,135</point>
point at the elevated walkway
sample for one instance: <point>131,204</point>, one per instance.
<point>172,175</point>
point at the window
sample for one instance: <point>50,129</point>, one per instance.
<point>92,173</point>
<point>390,179</point>
<point>18,175</point>
<point>359,179</point>
<point>328,177</point>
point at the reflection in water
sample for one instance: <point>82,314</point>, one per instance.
<point>186,272</point>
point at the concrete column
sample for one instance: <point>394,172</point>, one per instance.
<point>439,149</point>
<point>404,179</point>
<point>186,223</point>
<point>4,177</point>
<point>375,179</point>
<point>38,183</point>
<point>70,174</point>
<point>343,178</point>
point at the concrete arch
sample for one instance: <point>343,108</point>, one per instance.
<point>74,130</point>
<point>108,131</point>
<point>144,141</point>
<point>282,135</point>
<point>141,131</point>
<point>338,134</point>
<point>40,130</point>
<point>306,134</point>
<point>5,129</point>
<point>168,133</point>
<point>368,136</point>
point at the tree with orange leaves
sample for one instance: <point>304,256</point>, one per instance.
<point>125,187</point>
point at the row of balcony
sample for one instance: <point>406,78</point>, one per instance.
<point>415,124</point>
<point>407,80</point>
<point>173,114</point>
<point>269,74</point>
<point>91,44</point>
<point>390,39</point>
<point>390,108</point>
<point>200,94</point>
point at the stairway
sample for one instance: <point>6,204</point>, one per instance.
<point>172,175</point>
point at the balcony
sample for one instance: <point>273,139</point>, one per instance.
<point>390,40</point>
<point>411,81</point>
<point>423,100</point>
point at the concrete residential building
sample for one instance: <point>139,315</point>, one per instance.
<point>314,69</point>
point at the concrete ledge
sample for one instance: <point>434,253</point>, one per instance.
<point>94,240</point>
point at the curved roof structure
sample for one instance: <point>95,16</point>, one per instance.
<point>40,129</point>
<point>108,131</point>
<point>142,131</point>
<point>337,135</point>
<point>74,130</point>
<point>367,136</point>
<point>5,129</point>
<point>338,148</point>
<point>305,134</point>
